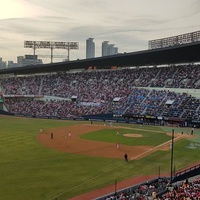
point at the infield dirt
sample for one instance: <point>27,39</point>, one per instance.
<point>68,139</point>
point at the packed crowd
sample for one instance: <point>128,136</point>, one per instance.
<point>96,91</point>
<point>185,191</point>
<point>159,189</point>
<point>183,106</point>
<point>110,81</point>
<point>144,191</point>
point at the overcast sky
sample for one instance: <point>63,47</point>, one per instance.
<point>129,24</point>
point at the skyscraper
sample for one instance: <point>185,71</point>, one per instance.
<point>104,49</point>
<point>90,48</point>
<point>108,49</point>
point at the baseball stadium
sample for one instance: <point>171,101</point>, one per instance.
<point>120,127</point>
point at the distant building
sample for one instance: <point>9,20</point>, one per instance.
<point>108,49</point>
<point>90,48</point>
<point>115,50</point>
<point>11,64</point>
<point>28,60</point>
<point>2,64</point>
<point>104,48</point>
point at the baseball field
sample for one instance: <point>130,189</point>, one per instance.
<point>83,157</point>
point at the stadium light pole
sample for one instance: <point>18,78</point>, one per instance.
<point>51,45</point>
<point>172,155</point>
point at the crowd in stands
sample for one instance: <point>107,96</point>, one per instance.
<point>144,191</point>
<point>96,91</point>
<point>187,190</point>
<point>159,189</point>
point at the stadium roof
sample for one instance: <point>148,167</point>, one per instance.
<point>187,53</point>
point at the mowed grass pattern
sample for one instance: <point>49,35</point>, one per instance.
<point>30,171</point>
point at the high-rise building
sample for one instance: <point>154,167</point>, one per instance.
<point>104,49</point>
<point>90,48</point>
<point>108,49</point>
<point>2,64</point>
<point>115,50</point>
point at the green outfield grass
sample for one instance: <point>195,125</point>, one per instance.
<point>28,170</point>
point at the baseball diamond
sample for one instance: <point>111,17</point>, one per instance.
<point>101,149</point>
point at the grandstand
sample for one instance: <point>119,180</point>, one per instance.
<point>155,86</point>
<point>133,94</point>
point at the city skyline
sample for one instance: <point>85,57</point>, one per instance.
<point>129,24</point>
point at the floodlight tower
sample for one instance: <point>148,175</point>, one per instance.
<point>51,45</point>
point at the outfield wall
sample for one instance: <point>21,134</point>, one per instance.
<point>150,120</point>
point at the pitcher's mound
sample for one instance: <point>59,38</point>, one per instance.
<point>132,135</point>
